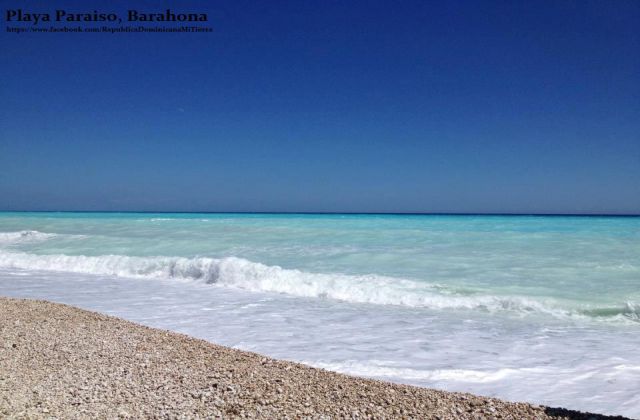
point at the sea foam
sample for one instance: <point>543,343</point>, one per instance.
<point>7,238</point>
<point>244,274</point>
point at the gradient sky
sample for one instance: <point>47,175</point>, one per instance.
<point>449,106</point>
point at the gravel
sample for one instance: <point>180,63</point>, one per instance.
<point>57,361</point>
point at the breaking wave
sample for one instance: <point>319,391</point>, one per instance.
<point>7,238</point>
<point>252,276</point>
<point>629,310</point>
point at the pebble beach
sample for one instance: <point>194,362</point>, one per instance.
<point>58,361</point>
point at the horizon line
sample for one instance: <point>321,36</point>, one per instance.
<point>334,213</point>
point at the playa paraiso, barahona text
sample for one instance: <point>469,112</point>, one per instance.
<point>20,15</point>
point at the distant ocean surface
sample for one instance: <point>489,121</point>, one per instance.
<point>544,309</point>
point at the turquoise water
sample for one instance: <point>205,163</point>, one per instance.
<point>507,295</point>
<point>589,264</point>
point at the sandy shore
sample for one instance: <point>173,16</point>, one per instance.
<point>63,362</point>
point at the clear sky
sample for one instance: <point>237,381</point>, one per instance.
<point>411,106</point>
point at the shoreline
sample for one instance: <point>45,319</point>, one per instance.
<point>61,361</point>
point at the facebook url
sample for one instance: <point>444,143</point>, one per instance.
<point>107,29</point>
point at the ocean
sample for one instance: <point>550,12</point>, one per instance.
<point>544,309</point>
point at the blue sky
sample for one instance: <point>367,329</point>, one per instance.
<point>456,106</point>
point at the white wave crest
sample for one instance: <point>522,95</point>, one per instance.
<point>7,238</point>
<point>383,369</point>
<point>244,274</point>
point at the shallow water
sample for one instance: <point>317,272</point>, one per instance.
<point>542,309</point>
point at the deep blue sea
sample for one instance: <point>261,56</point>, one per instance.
<point>538,308</point>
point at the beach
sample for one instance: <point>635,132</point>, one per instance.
<point>58,361</point>
<point>486,305</point>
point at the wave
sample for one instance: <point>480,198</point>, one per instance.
<point>24,236</point>
<point>629,310</point>
<point>172,219</point>
<point>386,369</point>
<point>252,276</point>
